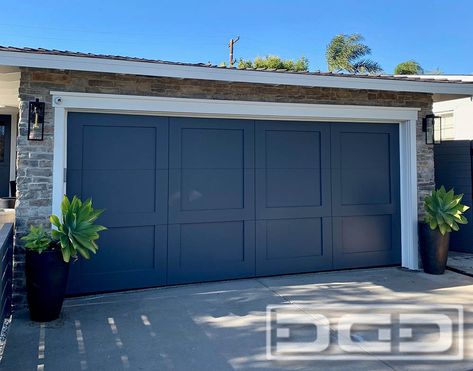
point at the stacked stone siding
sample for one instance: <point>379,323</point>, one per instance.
<point>34,161</point>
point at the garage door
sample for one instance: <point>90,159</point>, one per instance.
<point>193,199</point>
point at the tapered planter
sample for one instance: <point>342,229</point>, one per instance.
<point>46,279</point>
<point>433,249</point>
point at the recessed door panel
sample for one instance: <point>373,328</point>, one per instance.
<point>211,251</point>
<point>120,161</point>
<point>211,200</point>
<point>365,195</point>
<point>293,225</point>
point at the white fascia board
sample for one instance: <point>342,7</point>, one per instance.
<point>229,108</point>
<point>63,62</point>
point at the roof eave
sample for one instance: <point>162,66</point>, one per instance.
<point>92,64</point>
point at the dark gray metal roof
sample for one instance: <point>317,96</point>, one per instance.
<point>207,65</point>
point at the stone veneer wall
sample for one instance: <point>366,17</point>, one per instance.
<point>35,159</point>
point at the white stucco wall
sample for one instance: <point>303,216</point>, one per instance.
<point>462,109</point>
<point>462,116</point>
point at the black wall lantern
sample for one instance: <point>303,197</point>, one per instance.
<point>432,127</point>
<point>36,120</point>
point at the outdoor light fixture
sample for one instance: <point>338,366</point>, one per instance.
<point>431,126</point>
<point>36,120</point>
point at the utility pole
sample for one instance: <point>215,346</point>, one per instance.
<point>230,45</point>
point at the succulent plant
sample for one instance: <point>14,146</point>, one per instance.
<point>76,231</point>
<point>444,210</point>
<point>37,239</point>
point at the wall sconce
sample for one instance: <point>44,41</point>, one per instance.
<point>36,120</point>
<point>432,127</point>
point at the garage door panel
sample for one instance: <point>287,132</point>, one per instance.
<point>292,170</point>
<point>364,241</point>
<point>111,188</point>
<point>293,245</point>
<point>210,251</point>
<point>355,182</point>
<point>213,195</point>
<point>293,187</point>
<point>121,147</point>
<point>212,170</point>
<point>292,194</point>
<point>365,174</point>
<point>211,143</point>
<point>129,257</point>
<point>355,238</point>
<point>121,193</point>
<point>223,148</point>
<point>364,147</point>
<point>136,142</point>
<point>292,148</point>
<point>136,244</point>
<point>359,210</point>
<point>212,189</point>
<point>365,194</point>
<point>292,145</point>
<point>132,191</point>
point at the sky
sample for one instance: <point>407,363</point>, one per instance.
<point>435,33</point>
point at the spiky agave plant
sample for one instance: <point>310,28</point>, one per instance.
<point>76,231</point>
<point>444,210</point>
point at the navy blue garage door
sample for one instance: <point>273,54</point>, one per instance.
<point>194,199</point>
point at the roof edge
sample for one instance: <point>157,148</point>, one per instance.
<point>200,72</point>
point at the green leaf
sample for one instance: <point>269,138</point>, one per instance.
<point>455,227</point>
<point>66,255</point>
<point>463,208</point>
<point>443,228</point>
<point>461,219</point>
<point>54,220</point>
<point>83,252</point>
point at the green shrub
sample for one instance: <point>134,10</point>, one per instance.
<point>444,210</point>
<point>275,62</point>
<point>408,68</point>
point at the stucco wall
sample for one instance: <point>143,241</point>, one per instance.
<point>34,161</point>
<point>462,110</point>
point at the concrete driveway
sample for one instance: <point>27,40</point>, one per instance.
<point>219,326</point>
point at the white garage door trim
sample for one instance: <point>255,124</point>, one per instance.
<point>406,117</point>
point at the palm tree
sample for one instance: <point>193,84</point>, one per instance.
<point>348,53</point>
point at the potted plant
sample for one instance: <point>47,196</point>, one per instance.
<point>48,255</point>
<point>443,214</point>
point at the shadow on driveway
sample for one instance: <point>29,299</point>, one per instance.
<point>218,326</point>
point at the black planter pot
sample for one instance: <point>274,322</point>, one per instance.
<point>46,279</point>
<point>433,249</point>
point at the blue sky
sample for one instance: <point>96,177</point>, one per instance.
<point>436,33</point>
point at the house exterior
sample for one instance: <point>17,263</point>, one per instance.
<point>456,113</point>
<point>457,117</point>
<point>453,153</point>
<point>213,173</point>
